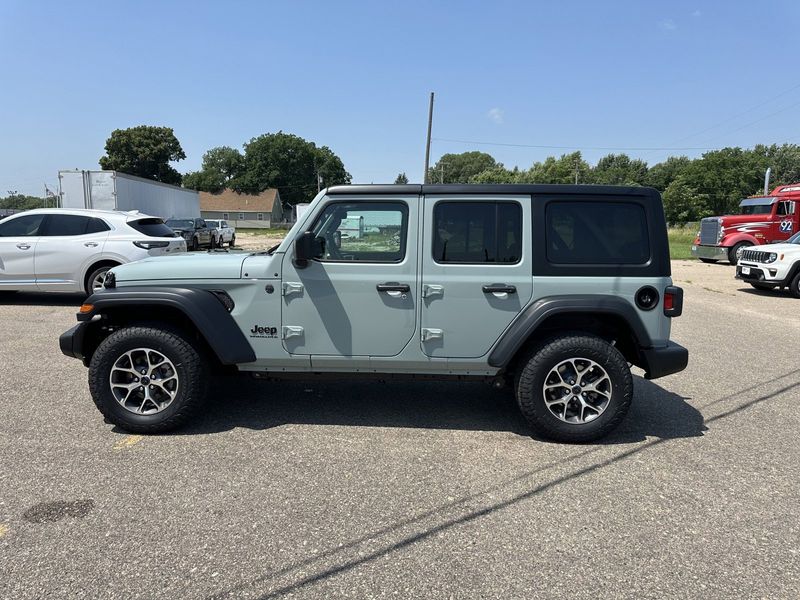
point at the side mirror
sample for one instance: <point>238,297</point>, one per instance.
<point>307,247</point>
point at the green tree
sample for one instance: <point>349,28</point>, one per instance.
<point>784,160</point>
<point>498,174</point>
<point>559,170</point>
<point>401,179</point>
<point>144,151</point>
<point>220,166</point>
<point>460,168</point>
<point>619,169</point>
<point>289,163</point>
<point>15,201</point>
<point>726,176</point>
<point>662,174</point>
<point>682,203</point>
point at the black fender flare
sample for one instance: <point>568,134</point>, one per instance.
<point>529,320</point>
<point>200,306</point>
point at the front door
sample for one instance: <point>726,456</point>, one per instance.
<point>476,272</point>
<point>18,239</point>
<point>358,297</point>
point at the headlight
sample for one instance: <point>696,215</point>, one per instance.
<point>771,258</point>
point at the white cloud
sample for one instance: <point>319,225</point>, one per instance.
<point>496,115</point>
<point>667,25</point>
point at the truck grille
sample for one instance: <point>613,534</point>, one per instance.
<point>754,256</point>
<point>709,232</point>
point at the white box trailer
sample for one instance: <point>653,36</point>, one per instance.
<point>112,190</point>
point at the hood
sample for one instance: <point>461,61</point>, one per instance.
<point>777,248</point>
<point>185,266</point>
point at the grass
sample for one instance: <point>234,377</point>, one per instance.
<point>680,242</point>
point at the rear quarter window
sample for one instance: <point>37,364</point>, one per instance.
<point>596,233</point>
<point>152,228</point>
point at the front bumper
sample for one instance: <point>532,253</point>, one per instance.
<point>665,360</point>
<point>762,273</point>
<point>710,252</point>
<point>71,341</point>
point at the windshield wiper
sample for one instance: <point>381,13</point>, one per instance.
<point>268,252</point>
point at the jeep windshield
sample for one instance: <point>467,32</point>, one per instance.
<point>180,223</point>
<point>795,239</point>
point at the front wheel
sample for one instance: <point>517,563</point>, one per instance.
<point>147,380</point>
<point>575,388</point>
<point>708,261</point>
<point>735,253</point>
<point>195,244</point>
<point>794,286</point>
<point>233,241</point>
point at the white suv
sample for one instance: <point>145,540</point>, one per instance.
<point>772,266</point>
<point>66,250</point>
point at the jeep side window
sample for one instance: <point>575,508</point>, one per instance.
<point>599,233</point>
<point>477,232</point>
<point>363,231</point>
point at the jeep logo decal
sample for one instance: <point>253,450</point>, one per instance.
<point>264,332</point>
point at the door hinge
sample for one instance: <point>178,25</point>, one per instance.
<point>431,334</point>
<point>430,290</point>
<point>290,331</point>
<point>292,287</point>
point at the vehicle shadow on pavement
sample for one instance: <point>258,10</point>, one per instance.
<point>252,404</point>
<point>40,299</point>
<point>770,293</point>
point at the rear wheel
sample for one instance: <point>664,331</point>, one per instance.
<point>708,260</point>
<point>94,281</point>
<point>574,388</point>
<point>147,380</point>
<point>195,243</point>
<point>735,253</point>
<point>233,241</point>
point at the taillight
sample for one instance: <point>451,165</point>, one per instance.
<point>673,301</point>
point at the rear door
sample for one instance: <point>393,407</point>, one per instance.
<point>18,239</point>
<point>68,246</point>
<point>476,271</point>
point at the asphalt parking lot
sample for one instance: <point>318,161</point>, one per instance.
<point>420,490</point>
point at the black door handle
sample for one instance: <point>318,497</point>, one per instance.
<point>498,288</point>
<point>391,286</point>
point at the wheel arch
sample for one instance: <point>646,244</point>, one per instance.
<point>197,313</point>
<point>608,317</point>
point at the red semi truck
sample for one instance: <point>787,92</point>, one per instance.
<point>763,220</point>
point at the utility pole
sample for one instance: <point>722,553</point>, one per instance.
<point>428,143</point>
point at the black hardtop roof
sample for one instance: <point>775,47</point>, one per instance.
<point>515,188</point>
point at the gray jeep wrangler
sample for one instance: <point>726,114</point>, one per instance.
<point>552,289</point>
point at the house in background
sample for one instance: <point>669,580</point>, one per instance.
<point>244,210</point>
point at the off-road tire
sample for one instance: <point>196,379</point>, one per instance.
<point>191,368</point>
<point>734,249</point>
<point>538,364</point>
<point>764,287</point>
<point>708,261</point>
<point>794,286</point>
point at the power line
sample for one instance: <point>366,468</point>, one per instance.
<point>737,115</point>
<point>548,147</point>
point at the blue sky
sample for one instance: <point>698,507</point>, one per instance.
<point>356,77</point>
